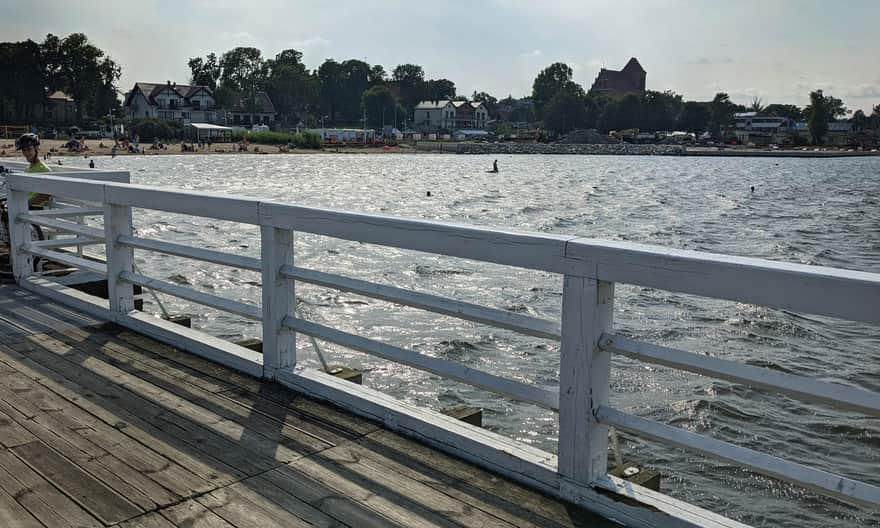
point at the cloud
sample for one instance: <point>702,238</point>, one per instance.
<point>703,61</point>
<point>533,53</point>
<point>311,42</point>
<point>238,37</point>
<point>863,90</point>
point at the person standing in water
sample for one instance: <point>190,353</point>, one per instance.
<point>495,166</point>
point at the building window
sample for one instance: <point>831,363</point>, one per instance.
<point>195,104</point>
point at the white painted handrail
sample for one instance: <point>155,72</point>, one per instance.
<point>513,389</point>
<point>821,481</point>
<point>590,269</point>
<point>804,389</point>
<point>433,303</point>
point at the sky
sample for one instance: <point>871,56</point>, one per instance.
<point>778,50</point>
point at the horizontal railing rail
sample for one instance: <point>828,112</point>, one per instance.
<point>590,269</point>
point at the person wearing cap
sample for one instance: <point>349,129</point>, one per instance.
<point>29,145</point>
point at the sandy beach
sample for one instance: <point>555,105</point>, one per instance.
<point>98,147</point>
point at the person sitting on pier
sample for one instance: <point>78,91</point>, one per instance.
<point>29,145</point>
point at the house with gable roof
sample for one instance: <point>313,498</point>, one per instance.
<point>193,104</point>
<point>431,116</point>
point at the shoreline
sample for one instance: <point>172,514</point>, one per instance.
<point>54,148</point>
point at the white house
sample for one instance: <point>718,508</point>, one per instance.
<point>450,115</point>
<point>434,115</point>
<point>180,102</point>
<point>194,104</point>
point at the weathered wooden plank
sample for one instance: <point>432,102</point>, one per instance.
<point>243,509</point>
<point>91,494</point>
<point>113,407</point>
<point>198,364</point>
<point>203,428</point>
<point>161,469</point>
<point>276,400</point>
<point>13,515</point>
<point>465,482</point>
<point>486,490</point>
<point>12,434</point>
<point>150,520</point>
<point>304,488</point>
<point>39,497</point>
<point>383,502</point>
<point>191,514</point>
<point>216,407</point>
<point>65,437</point>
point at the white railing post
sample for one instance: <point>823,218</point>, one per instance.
<point>117,221</point>
<point>279,344</point>
<point>584,378</point>
<point>19,235</point>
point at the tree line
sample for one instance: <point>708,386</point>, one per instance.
<point>32,71</point>
<point>340,92</point>
<point>562,105</point>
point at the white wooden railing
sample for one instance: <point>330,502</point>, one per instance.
<point>588,340</point>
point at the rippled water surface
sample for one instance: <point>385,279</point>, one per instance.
<point>822,212</point>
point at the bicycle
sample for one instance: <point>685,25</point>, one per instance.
<point>36,231</point>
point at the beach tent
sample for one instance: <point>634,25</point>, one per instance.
<point>200,131</point>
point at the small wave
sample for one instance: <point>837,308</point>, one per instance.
<point>429,270</point>
<point>179,279</point>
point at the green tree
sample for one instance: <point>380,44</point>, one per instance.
<point>875,118</point>
<point>332,81</point>
<point>694,117</point>
<point>377,75</point>
<point>659,110</point>
<point>379,103</point>
<point>24,79</point>
<point>834,107</point>
<point>859,120</point>
<point>757,105</point>
<point>82,72</point>
<point>547,84</point>
<point>410,78</point>
<point>721,111</point>
<point>784,110</point>
<point>566,110</point>
<point>291,87</point>
<point>818,114</point>
<point>243,75</point>
<point>621,113</point>
<point>205,72</point>
<point>438,89</point>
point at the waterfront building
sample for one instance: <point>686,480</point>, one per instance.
<point>193,104</point>
<point>631,79</point>
<point>430,116</point>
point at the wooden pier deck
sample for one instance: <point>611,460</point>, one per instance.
<point>100,426</point>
